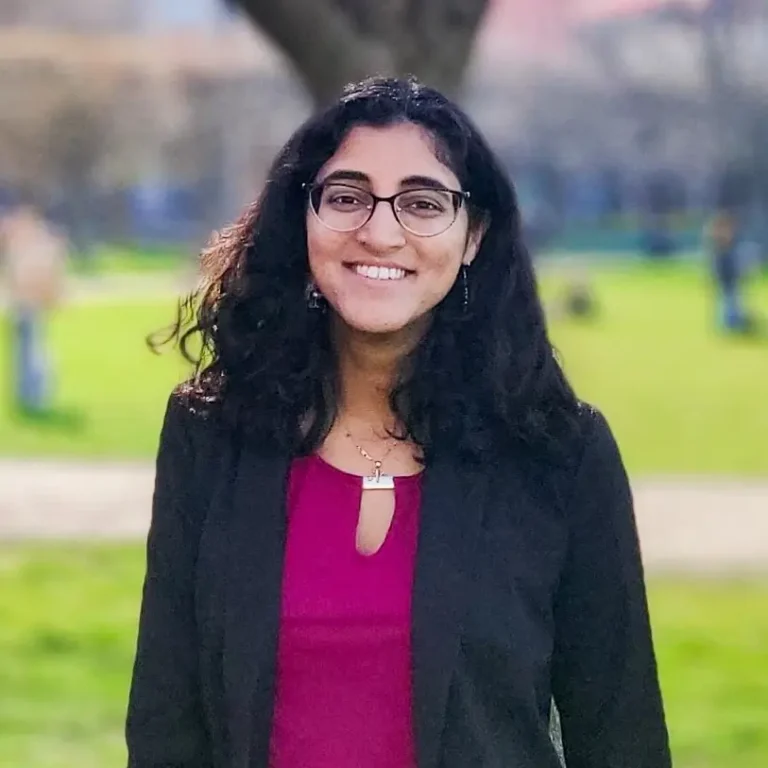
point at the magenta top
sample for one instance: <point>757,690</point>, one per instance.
<point>343,697</point>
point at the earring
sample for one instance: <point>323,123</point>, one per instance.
<point>312,296</point>
<point>465,286</point>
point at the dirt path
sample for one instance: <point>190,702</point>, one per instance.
<point>686,524</point>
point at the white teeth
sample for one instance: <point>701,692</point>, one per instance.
<point>380,273</point>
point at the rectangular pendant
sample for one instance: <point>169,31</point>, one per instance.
<point>378,483</point>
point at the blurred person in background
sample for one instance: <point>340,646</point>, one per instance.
<point>728,271</point>
<point>385,532</point>
<point>33,256</point>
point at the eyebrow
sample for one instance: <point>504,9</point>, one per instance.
<point>408,181</point>
<point>423,181</point>
<point>347,176</point>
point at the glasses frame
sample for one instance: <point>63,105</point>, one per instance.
<point>460,194</point>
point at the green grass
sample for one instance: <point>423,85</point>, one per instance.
<point>67,617</point>
<point>67,632</point>
<point>681,397</point>
<point>712,648</point>
<point>111,388</point>
<point>119,260</point>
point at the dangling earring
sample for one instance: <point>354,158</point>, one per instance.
<point>313,296</point>
<point>465,285</point>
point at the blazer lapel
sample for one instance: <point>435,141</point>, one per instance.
<point>451,517</point>
<point>252,612</point>
<point>453,499</point>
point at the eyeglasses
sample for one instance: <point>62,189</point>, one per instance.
<point>424,212</point>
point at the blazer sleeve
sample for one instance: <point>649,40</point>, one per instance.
<point>604,673</point>
<point>165,725</point>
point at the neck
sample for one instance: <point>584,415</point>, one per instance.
<point>368,367</point>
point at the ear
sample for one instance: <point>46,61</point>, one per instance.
<point>474,239</point>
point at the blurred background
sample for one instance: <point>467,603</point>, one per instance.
<point>636,132</point>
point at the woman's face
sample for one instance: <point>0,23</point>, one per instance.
<point>382,278</point>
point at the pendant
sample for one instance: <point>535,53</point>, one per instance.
<point>378,482</point>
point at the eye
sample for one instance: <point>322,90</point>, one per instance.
<point>425,203</point>
<point>344,198</point>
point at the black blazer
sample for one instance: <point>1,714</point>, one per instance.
<point>528,586</point>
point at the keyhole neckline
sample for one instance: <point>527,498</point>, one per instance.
<point>358,479</point>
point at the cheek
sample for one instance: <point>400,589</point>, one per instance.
<point>442,256</point>
<point>322,244</point>
<point>314,241</point>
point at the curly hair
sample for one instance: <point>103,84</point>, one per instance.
<point>482,379</point>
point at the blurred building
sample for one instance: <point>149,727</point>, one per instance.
<point>162,116</point>
<point>93,16</point>
<point>629,110</point>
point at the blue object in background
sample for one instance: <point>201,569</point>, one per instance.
<point>162,212</point>
<point>31,368</point>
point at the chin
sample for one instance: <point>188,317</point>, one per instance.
<point>380,324</point>
<point>377,326</point>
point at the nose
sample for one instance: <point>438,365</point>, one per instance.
<point>382,232</point>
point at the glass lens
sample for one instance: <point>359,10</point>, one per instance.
<point>427,211</point>
<point>341,207</point>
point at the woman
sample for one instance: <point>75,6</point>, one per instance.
<point>385,532</point>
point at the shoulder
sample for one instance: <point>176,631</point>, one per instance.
<point>578,436</point>
<point>588,458</point>
<point>555,478</point>
<point>594,432</point>
<point>193,453</point>
<point>191,424</point>
<point>598,478</point>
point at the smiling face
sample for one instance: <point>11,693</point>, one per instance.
<point>382,278</point>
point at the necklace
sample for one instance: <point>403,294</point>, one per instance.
<point>377,481</point>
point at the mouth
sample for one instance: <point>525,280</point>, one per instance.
<point>379,272</point>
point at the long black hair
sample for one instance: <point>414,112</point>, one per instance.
<point>484,377</point>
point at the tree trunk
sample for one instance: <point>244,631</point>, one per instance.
<point>334,42</point>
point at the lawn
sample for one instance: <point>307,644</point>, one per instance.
<point>67,631</point>
<point>111,388</point>
<point>681,397</point>
<point>120,260</point>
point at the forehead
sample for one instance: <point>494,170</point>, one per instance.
<point>388,155</point>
